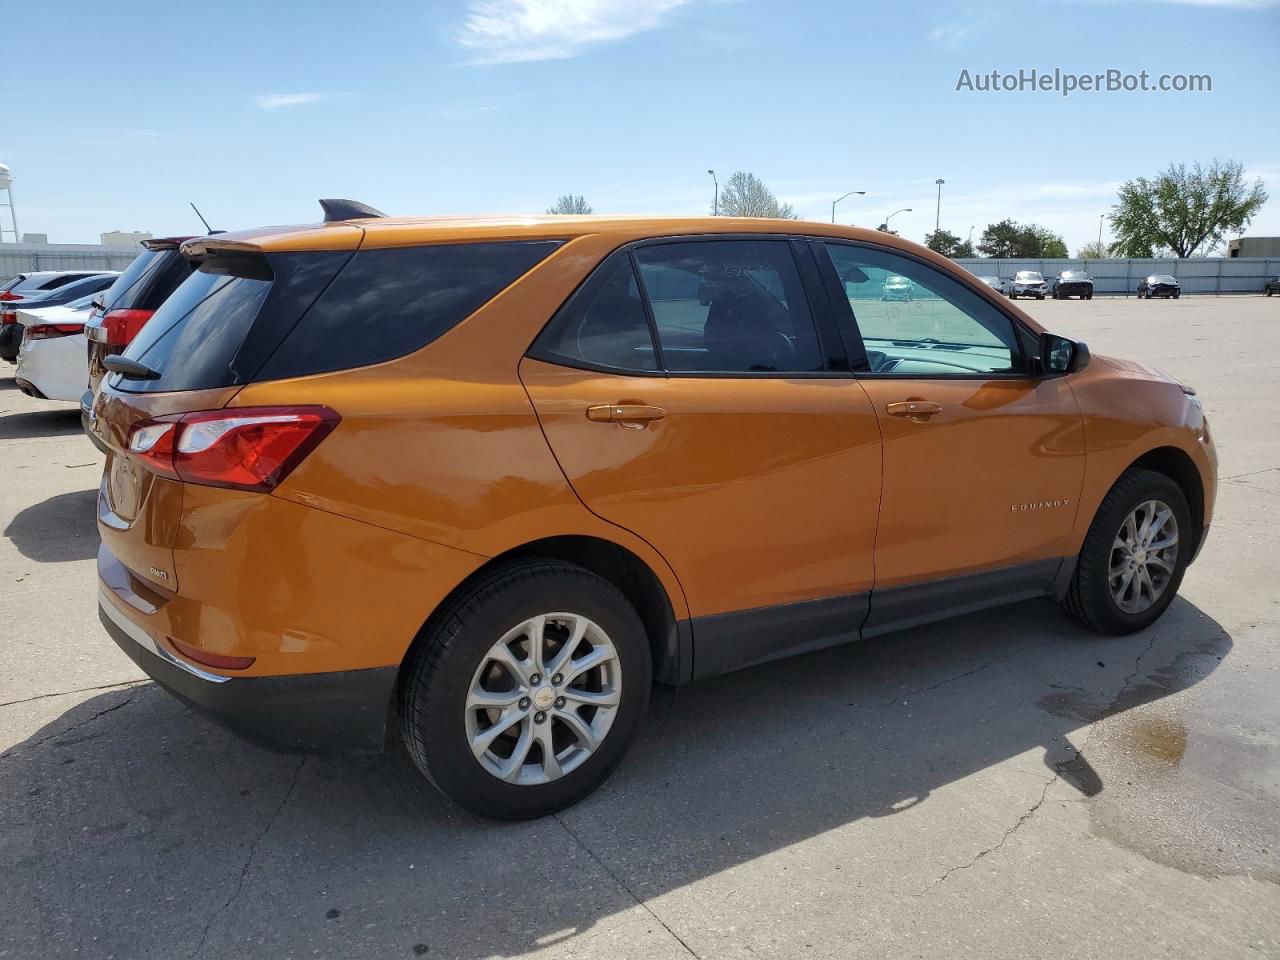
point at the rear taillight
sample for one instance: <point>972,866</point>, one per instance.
<point>121,326</point>
<point>10,295</point>
<point>249,448</point>
<point>51,331</point>
<point>8,316</point>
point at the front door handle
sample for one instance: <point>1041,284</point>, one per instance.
<point>915,409</point>
<point>634,416</point>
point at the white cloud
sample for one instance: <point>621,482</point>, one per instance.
<point>517,31</point>
<point>951,36</point>
<point>274,101</point>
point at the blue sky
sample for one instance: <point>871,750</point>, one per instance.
<point>254,110</point>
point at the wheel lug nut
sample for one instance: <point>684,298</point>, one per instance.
<point>524,703</point>
<point>539,717</point>
<point>559,702</point>
<point>557,679</point>
<point>536,679</point>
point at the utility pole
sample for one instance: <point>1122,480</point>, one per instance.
<point>715,203</point>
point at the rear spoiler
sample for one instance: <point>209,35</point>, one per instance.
<point>335,211</point>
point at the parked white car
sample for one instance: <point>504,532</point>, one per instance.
<point>52,362</point>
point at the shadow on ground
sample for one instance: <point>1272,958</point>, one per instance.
<point>130,827</point>
<point>58,529</point>
<point>40,423</point>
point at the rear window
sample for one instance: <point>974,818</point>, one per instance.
<point>246,317</point>
<point>147,282</point>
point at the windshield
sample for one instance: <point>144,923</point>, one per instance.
<point>1029,276</point>
<point>1074,275</point>
<point>1161,278</point>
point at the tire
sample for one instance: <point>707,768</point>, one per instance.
<point>1089,600</point>
<point>1088,296</point>
<point>1177,295</point>
<point>1040,297</point>
<point>445,664</point>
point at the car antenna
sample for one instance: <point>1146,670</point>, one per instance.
<point>204,221</point>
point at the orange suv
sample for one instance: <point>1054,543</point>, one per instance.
<point>481,482</point>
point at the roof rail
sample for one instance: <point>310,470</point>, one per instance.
<point>336,211</point>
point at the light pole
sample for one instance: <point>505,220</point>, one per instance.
<point>1100,218</point>
<point>861,193</point>
<point>885,226</point>
<point>937,221</point>
<point>715,204</point>
<point>970,235</point>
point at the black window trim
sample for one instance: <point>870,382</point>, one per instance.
<point>1024,336</point>
<point>816,300</point>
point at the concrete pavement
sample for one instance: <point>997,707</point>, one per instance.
<point>1003,785</point>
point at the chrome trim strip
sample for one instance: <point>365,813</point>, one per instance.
<point>143,639</point>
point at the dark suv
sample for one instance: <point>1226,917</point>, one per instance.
<point>122,310</point>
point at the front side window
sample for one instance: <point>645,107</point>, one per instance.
<point>931,326</point>
<point>729,306</point>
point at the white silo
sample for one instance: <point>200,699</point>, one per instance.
<point>6,184</point>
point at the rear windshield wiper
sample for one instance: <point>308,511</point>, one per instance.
<point>130,369</point>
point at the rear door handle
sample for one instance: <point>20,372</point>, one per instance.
<point>913,408</point>
<point>632,415</point>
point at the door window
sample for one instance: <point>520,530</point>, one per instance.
<point>729,306</point>
<point>603,325</point>
<point>915,320</point>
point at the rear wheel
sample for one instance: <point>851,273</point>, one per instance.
<point>1133,557</point>
<point>524,694</point>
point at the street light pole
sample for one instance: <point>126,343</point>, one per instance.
<point>715,204</point>
<point>1100,218</point>
<point>937,222</point>
<point>861,193</point>
<point>885,226</point>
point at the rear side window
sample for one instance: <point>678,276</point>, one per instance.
<point>729,306</point>
<point>604,324</point>
<point>244,317</point>
<point>388,303</point>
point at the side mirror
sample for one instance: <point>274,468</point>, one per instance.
<point>1058,355</point>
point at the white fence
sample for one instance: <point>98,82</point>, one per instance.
<point>1199,275</point>
<point>26,257</point>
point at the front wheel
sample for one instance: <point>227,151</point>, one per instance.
<point>521,697</point>
<point>1133,557</point>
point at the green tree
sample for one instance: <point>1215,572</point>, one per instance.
<point>1007,239</point>
<point>948,244</point>
<point>745,195</point>
<point>570,203</point>
<point>1093,250</point>
<point>1184,211</point>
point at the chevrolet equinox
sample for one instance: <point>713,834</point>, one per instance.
<point>478,483</point>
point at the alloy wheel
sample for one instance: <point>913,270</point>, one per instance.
<point>543,698</point>
<point>1144,556</point>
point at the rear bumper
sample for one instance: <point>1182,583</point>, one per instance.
<point>301,713</point>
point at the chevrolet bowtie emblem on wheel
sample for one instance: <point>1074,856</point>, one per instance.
<point>1038,505</point>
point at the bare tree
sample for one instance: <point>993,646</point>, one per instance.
<point>745,195</point>
<point>570,203</point>
<point>1093,250</point>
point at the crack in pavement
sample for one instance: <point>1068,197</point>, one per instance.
<point>618,880</point>
<point>942,683</point>
<point>67,693</point>
<point>16,751</point>
<point>253,852</point>
<point>1076,754</point>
